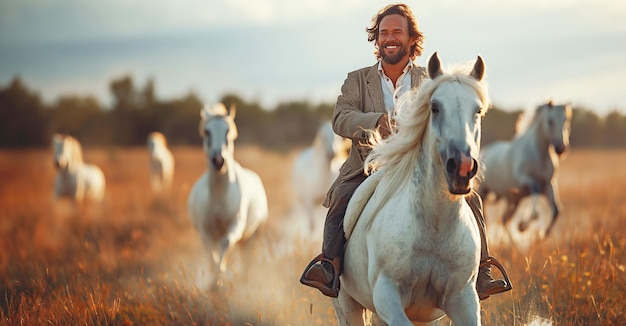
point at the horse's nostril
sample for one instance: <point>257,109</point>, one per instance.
<point>559,149</point>
<point>451,166</point>
<point>218,161</point>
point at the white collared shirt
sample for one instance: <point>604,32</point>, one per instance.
<point>403,84</point>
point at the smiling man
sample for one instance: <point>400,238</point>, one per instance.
<point>367,101</point>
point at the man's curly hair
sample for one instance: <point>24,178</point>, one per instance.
<point>414,32</point>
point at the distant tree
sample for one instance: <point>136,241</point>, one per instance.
<point>26,122</point>
<point>148,95</point>
<point>23,119</point>
<point>255,124</point>
<point>499,125</point>
<point>178,119</point>
<point>325,110</point>
<point>586,129</point>
<point>81,117</point>
<point>615,130</point>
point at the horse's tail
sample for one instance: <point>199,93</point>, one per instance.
<point>358,201</point>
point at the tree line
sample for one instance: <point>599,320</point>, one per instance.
<point>26,121</point>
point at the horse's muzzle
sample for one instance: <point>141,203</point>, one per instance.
<point>218,162</point>
<point>560,149</point>
<point>460,170</point>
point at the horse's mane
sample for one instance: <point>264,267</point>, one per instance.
<point>528,118</point>
<point>525,121</point>
<point>396,154</point>
<point>77,151</point>
<point>75,148</point>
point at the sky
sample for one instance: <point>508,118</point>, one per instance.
<point>274,51</point>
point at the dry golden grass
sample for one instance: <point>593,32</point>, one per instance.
<point>137,259</point>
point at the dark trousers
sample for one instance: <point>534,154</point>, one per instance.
<point>334,238</point>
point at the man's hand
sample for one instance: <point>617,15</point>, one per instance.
<point>384,125</point>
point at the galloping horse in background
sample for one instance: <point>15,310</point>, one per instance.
<point>161,163</point>
<point>527,165</point>
<point>316,167</point>
<point>228,203</point>
<point>75,179</point>
<point>413,254</point>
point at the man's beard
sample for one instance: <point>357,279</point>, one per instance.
<point>394,58</point>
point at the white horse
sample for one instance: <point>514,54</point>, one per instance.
<point>228,203</point>
<point>413,255</point>
<point>315,169</point>
<point>75,179</point>
<point>161,163</point>
<point>527,165</point>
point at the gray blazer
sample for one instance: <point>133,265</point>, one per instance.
<point>358,107</point>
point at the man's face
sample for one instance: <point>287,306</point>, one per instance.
<point>393,39</point>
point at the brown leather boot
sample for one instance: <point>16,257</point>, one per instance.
<point>486,285</point>
<point>322,274</point>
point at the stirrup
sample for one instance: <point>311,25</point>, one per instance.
<point>333,290</point>
<point>492,261</point>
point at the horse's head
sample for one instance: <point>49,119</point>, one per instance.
<point>556,125</point>
<point>457,106</point>
<point>66,151</point>
<point>218,132</point>
<point>156,140</point>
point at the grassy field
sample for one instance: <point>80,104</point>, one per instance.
<point>137,260</point>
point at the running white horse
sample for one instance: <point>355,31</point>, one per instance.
<point>315,169</point>
<point>161,163</point>
<point>75,179</point>
<point>413,255</point>
<point>228,203</point>
<point>527,165</point>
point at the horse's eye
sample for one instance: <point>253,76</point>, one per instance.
<point>434,107</point>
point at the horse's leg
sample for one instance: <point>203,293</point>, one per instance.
<point>535,191</point>
<point>462,307</point>
<point>347,310</point>
<point>208,274</point>
<point>79,196</point>
<point>523,225</point>
<point>512,201</point>
<point>233,234</point>
<point>388,303</point>
<point>552,193</point>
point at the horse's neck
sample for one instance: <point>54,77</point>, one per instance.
<point>536,136</point>
<point>73,166</point>
<point>220,182</point>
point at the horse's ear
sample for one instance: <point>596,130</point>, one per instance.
<point>205,112</point>
<point>232,111</point>
<point>434,66</point>
<point>479,69</point>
